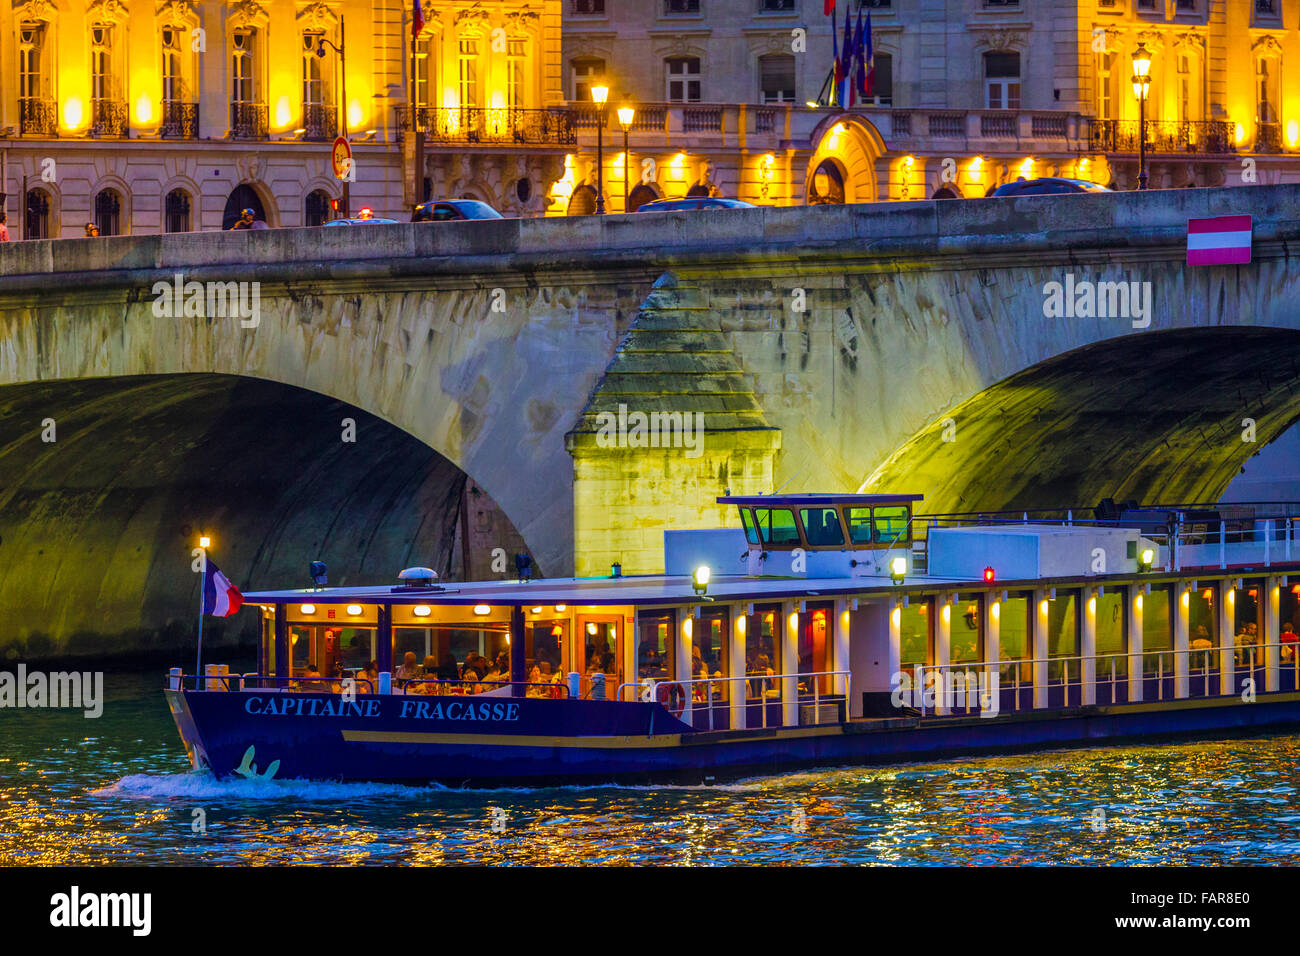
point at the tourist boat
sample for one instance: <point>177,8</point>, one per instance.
<point>828,629</point>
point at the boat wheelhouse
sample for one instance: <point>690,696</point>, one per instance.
<point>827,628</point>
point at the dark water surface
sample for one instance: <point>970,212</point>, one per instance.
<point>118,789</point>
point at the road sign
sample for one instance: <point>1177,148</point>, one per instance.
<point>342,158</point>
<point>1221,241</point>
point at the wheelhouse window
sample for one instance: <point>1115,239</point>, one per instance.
<point>859,525</point>
<point>777,527</point>
<point>822,527</point>
<point>891,523</point>
<point>776,78</point>
<point>751,530</point>
<point>682,76</point>
<point>1002,80</point>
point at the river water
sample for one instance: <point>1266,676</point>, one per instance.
<point>118,789</point>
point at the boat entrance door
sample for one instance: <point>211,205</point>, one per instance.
<point>599,649</point>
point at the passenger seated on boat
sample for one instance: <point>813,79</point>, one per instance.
<point>535,688</point>
<point>309,681</point>
<point>762,688</point>
<point>1288,639</point>
<point>408,670</point>
<point>367,678</point>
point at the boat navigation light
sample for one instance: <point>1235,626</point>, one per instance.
<point>308,609</point>
<point>524,566</point>
<point>416,577</point>
<point>354,609</point>
<point>988,574</point>
<point>205,541</point>
<point>616,570</point>
<point>897,568</point>
<point>1146,558</point>
<point>700,579</point>
<point>421,610</point>
<point>482,610</point>
<point>319,573</point>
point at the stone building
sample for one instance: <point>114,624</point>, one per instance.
<point>732,95</point>
<point>150,116</point>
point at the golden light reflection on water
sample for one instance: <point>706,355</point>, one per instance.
<point>122,794</point>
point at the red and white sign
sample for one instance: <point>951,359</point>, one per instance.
<point>1221,241</point>
<point>341,156</point>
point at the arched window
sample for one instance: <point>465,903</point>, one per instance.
<point>583,201</point>
<point>242,197</point>
<point>108,212</point>
<point>827,185</point>
<point>37,225</point>
<point>317,208</point>
<point>641,195</point>
<point>177,211</point>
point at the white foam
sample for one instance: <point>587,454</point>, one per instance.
<point>203,785</point>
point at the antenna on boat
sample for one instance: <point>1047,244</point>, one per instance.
<point>790,479</point>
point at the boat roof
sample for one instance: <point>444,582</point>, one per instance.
<point>817,498</point>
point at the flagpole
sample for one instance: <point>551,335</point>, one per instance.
<point>203,583</point>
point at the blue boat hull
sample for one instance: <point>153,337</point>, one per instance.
<point>520,741</point>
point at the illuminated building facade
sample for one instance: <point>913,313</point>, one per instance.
<point>150,116</point>
<point>969,94</point>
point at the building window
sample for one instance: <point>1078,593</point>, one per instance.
<point>36,108</point>
<point>319,112</point>
<point>586,74</point>
<point>1001,3</point>
<point>177,212</point>
<point>1106,86</point>
<point>1146,4</point>
<point>467,73</point>
<point>242,63</point>
<point>108,212</point>
<point>588,7</point>
<point>776,78</point>
<point>776,6</point>
<point>101,61</point>
<point>1267,76</point>
<point>1188,6</point>
<point>1266,7</point>
<point>1002,80</point>
<point>876,4</point>
<point>173,66</point>
<point>316,211</point>
<point>516,86</point>
<point>37,225</point>
<point>423,65</point>
<point>882,89</point>
<point>681,6</point>
<point>683,79</point>
<point>1184,87</point>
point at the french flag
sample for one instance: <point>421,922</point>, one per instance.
<point>1221,241</point>
<point>220,597</point>
<point>417,20</point>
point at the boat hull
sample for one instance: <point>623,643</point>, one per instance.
<point>526,742</point>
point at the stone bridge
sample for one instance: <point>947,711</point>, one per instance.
<point>911,346</point>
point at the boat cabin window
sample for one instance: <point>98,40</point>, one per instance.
<point>655,643</point>
<point>915,633</point>
<point>891,523</point>
<point>544,646</point>
<point>966,640</point>
<point>777,526</point>
<point>763,650</point>
<point>822,527</point>
<point>333,651</point>
<point>747,519</point>
<point>859,525</point>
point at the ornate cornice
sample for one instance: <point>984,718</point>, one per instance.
<point>317,16</point>
<point>106,11</point>
<point>177,12</point>
<point>469,19</point>
<point>523,21</point>
<point>1266,45</point>
<point>249,13</point>
<point>34,10</point>
<point>1001,40</point>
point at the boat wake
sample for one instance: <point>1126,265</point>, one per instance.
<point>201,784</point>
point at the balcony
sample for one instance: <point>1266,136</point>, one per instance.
<point>320,122</point>
<point>548,127</point>
<point>1163,136</point>
<point>248,121</point>
<point>37,116</point>
<point>107,118</point>
<point>1268,137</point>
<point>179,120</point>
<point>977,130</point>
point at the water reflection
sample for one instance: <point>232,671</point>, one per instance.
<point>118,790</point>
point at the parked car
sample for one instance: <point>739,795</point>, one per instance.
<point>364,217</point>
<point>452,210</point>
<point>1048,186</point>
<point>695,202</point>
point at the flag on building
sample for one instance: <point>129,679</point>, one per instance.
<point>868,63</point>
<point>220,597</point>
<point>846,58</point>
<point>1221,241</point>
<point>835,65</point>
<point>828,7</point>
<point>859,64</point>
<point>417,20</point>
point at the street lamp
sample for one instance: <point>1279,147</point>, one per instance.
<point>1141,87</point>
<point>600,94</point>
<point>343,69</point>
<point>625,116</point>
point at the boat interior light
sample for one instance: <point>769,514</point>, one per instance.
<point>422,610</point>
<point>482,609</point>
<point>561,607</point>
<point>308,609</point>
<point>354,609</point>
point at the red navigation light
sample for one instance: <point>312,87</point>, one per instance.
<point>988,574</point>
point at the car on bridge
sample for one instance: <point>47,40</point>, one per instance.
<point>364,217</point>
<point>695,202</point>
<point>453,210</point>
<point>1048,186</point>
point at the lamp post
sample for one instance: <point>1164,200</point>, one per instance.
<point>343,69</point>
<point>600,94</point>
<point>1141,87</point>
<point>625,116</point>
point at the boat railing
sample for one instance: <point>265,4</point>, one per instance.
<point>242,682</point>
<point>706,703</point>
<point>1114,678</point>
<point>502,688</point>
<point>363,685</point>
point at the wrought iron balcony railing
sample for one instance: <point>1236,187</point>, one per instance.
<point>107,118</point>
<point>179,120</point>
<point>248,121</point>
<point>1268,137</point>
<point>492,125</point>
<point>1163,136</point>
<point>37,116</point>
<point>319,121</point>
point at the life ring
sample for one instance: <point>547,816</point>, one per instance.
<point>672,695</point>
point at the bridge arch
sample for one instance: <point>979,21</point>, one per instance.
<point>1168,416</point>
